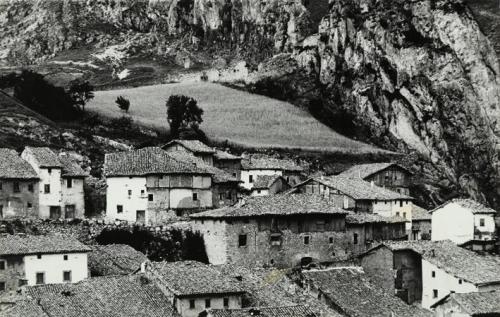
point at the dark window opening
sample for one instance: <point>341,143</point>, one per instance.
<point>46,188</point>
<point>307,239</point>
<point>330,240</point>
<point>459,281</point>
<point>40,278</point>
<point>67,276</point>
<point>30,187</point>
<point>207,303</point>
<point>119,209</point>
<point>16,187</point>
<point>481,222</point>
<point>192,304</point>
<point>250,178</point>
<point>150,197</point>
<point>242,240</point>
<point>226,302</point>
<point>65,257</point>
<point>2,286</point>
<point>30,205</point>
<point>434,293</point>
<point>355,238</point>
<point>130,192</point>
<point>39,256</point>
<point>49,170</point>
<point>69,183</point>
<point>2,265</point>
<point>195,196</point>
<point>433,273</point>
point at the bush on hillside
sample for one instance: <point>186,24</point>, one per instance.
<point>183,113</point>
<point>123,103</point>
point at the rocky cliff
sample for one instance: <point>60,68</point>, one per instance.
<point>415,76</point>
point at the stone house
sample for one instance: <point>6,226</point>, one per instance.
<point>481,304</point>
<point>421,227</point>
<point>191,287</point>
<point>34,260</point>
<point>426,271</point>
<point>253,167</point>
<point>228,162</point>
<point>143,185</point>
<point>122,295</point>
<point>280,230</point>
<point>194,147</point>
<point>266,185</point>
<point>349,291</point>
<point>61,187</point>
<point>359,196</point>
<point>387,175</point>
<point>18,187</point>
<point>367,230</point>
<point>464,221</point>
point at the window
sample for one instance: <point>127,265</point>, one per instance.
<point>69,183</point>
<point>207,303</point>
<point>355,238</point>
<point>481,222</point>
<point>2,286</point>
<point>22,282</point>
<point>2,265</point>
<point>320,225</point>
<point>150,197</point>
<point>40,278</point>
<point>258,191</point>
<point>276,239</point>
<point>226,302</point>
<point>307,239</point>
<point>30,187</point>
<point>49,170</point>
<point>229,195</point>
<point>459,281</point>
<point>397,214</point>
<point>404,215</point>
<point>119,209</point>
<point>192,304</point>
<point>242,240</point>
<point>400,203</point>
<point>39,256</point>
<point>1,211</point>
<point>234,174</point>
<point>65,257</point>
<point>330,240</point>
<point>1,186</point>
<point>434,293</point>
<point>250,178</point>
<point>67,276</point>
<point>195,196</point>
<point>16,187</point>
<point>130,192</point>
<point>46,188</point>
<point>30,205</point>
<point>221,196</point>
<point>433,274</point>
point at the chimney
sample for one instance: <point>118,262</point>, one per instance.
<point>143,267</point>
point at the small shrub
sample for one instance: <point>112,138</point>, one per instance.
<point>123,103</point>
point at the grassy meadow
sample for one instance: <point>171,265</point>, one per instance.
<point>239,117</point>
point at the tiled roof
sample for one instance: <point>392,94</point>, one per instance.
<point>257,163</point>
<point>70,167</point>
<point>24,308</point>
<point>472,205</point>
<point>419,213</point>
<point>286,311</point>
<point>12,166</point>
<point>457,261</point>
<point>265,181</point>
<point>363,171</point>
<point>110,296</point>
<point>191,278</point>
<point>352,292</point>
<point>363,217</point>
<point>45,157</point>
<point>150,160</point>
<point>275,205</point>
<point>222,155</point>
<point>480,303</point>
<point>50,244</point>
<point>218,175</point>
<point>193,146</point>
<point>114,259</point>
<point>358,189</point>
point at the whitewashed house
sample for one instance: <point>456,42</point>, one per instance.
<point>253,167</point>
<point>35,260</point>
<point>61,185</point>
<point>360,196</point>
<point>143,185</point>
<point>427,271</point>
<point>480,304</point>
<point>194,147</point>
<point>464,221</point>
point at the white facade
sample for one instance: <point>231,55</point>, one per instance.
<point>184,308</point>
<point>437,283</point>
<point>73,195</point>
<point>53,267</point>
<point>458,224</point>
<point>399,208</point>
<point>130,194</point>
<point>259,192</point>
<point>245,176</point>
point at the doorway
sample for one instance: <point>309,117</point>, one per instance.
<point>55,212</point>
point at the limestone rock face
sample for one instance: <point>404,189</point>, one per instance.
<point>418,76</point>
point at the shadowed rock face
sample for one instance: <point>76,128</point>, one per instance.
<point>418,76</point>
<point>415,76</point>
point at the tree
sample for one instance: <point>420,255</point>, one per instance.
<point>123,103</point>
<point>183,113</point>
<point>81,92</point>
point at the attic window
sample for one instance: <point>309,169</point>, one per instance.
<point>433,273</point>
<point>16,187</point>
<point>192,304</point>
<point>30,187</point>
<point>69,183</point>
<point>65,257</point>
<point>46,188</point>
<point>207,303</point>
<point>1,186</point>
<point>481,222</point>
<point>119,209</point>
<point>400,203</point>
<point>150,197</point>
<point>330,240</point>
<point>460,281</point>
<point>2,265</point>
<point>49,170</point>
<point>307,240</point>
<point>226,302</point>
<point>250,178</point>
<point>434,293</point>
<point>242,240</point>
<point>195,196</point>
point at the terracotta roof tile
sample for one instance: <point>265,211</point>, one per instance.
<point>419,213</point>
<point>355,295</point>
<point>358,189</point>
<point>12,166</point>
<point>193,146</point>
<point>111,296</point>
<point>190,278</point>
<point>453,259</point>
<point>24,308</point>
<point>30,244</point>
<point>363,171</point>
<point>270,163</point>
<point>114,259</point>
<point>150,160</point>
<point>285,311</point>
<point>275,205</point>
<point>265,181</point>
<point>481,303</point>
<point>45,157</point>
